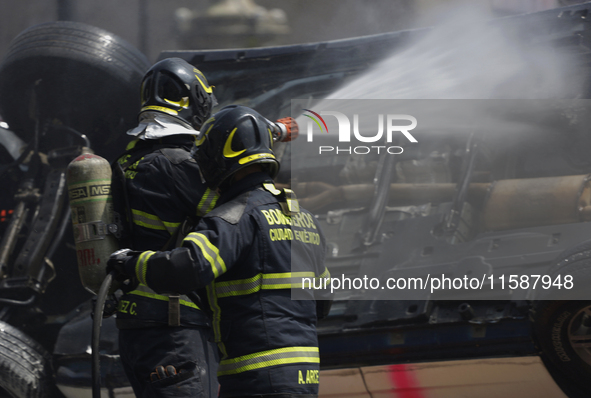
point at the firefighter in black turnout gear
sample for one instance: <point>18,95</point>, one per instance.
<point>165,340</point>
<point>250,252</point>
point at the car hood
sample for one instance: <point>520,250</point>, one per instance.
<point>265,78</point>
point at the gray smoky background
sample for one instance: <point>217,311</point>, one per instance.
<point>157,25</point>
<point>469,52</point>
<point>456,52</point>
<point>467,55</point>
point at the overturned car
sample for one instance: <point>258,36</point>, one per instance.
<point>494,195</point>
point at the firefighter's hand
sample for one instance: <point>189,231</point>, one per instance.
<point>118,261</point>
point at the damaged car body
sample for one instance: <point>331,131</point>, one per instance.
<point>455,203</point>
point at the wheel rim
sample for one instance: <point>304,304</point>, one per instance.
<point>579,334</point>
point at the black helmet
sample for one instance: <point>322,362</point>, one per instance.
<point>175,87</point>
<point>234,138</point>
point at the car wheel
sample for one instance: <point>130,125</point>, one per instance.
<point>562,321</point>
<point>25,366</point>
<point>562,331</point>
<point>73,74</point>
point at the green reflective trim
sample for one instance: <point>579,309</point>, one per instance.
<point>141,266</point>
<point>265,359</point>
<point>325,274</point>
<point>209,251</point>
<point>144,291</point>
<point>207,202</point>
<point>241,287</point>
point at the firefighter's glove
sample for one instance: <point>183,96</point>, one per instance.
<point>123,261</point>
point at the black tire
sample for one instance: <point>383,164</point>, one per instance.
<point>25,366</point>
<point>78,75</point>
<point>561,318</point>
<point>558,328</point>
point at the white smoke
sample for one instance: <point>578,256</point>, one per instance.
<point>469,57</point>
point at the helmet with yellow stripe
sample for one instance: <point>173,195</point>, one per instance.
<point>232,139</point>
<point>175,87</point>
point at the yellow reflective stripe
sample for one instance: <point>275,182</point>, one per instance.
<point>207,202</point>
<point>255,157</point>
<point>145,291</point>
<point>271,140</point>
<point>209,251</point>
<point>228,152</point>
<point>209,89</point>
<point>293,205</point>
<point>286,280</point>
<point>152,221</point>
<point>183,103</point>
<point>141,266</point>
<point>131,145</point>
<point>203,135</point>
<point>159,109</point>
<point>216,319</point>
<point>265,359</point>
<point>325,274</point>
<point>271,188</point>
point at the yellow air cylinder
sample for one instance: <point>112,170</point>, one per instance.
<point>91,203</point>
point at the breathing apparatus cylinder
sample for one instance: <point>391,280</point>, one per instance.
<point>95,230</point>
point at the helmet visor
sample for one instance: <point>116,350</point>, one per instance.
<point>166,89</point>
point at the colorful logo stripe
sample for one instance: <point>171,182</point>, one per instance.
<point>316,121</point>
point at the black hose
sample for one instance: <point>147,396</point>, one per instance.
<point>26,302</point>
<point>74,132</point>
<point>60,233</point>
<point>97,321</point>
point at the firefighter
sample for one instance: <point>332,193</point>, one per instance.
<point>165,341</point>
<point>249,252</point>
